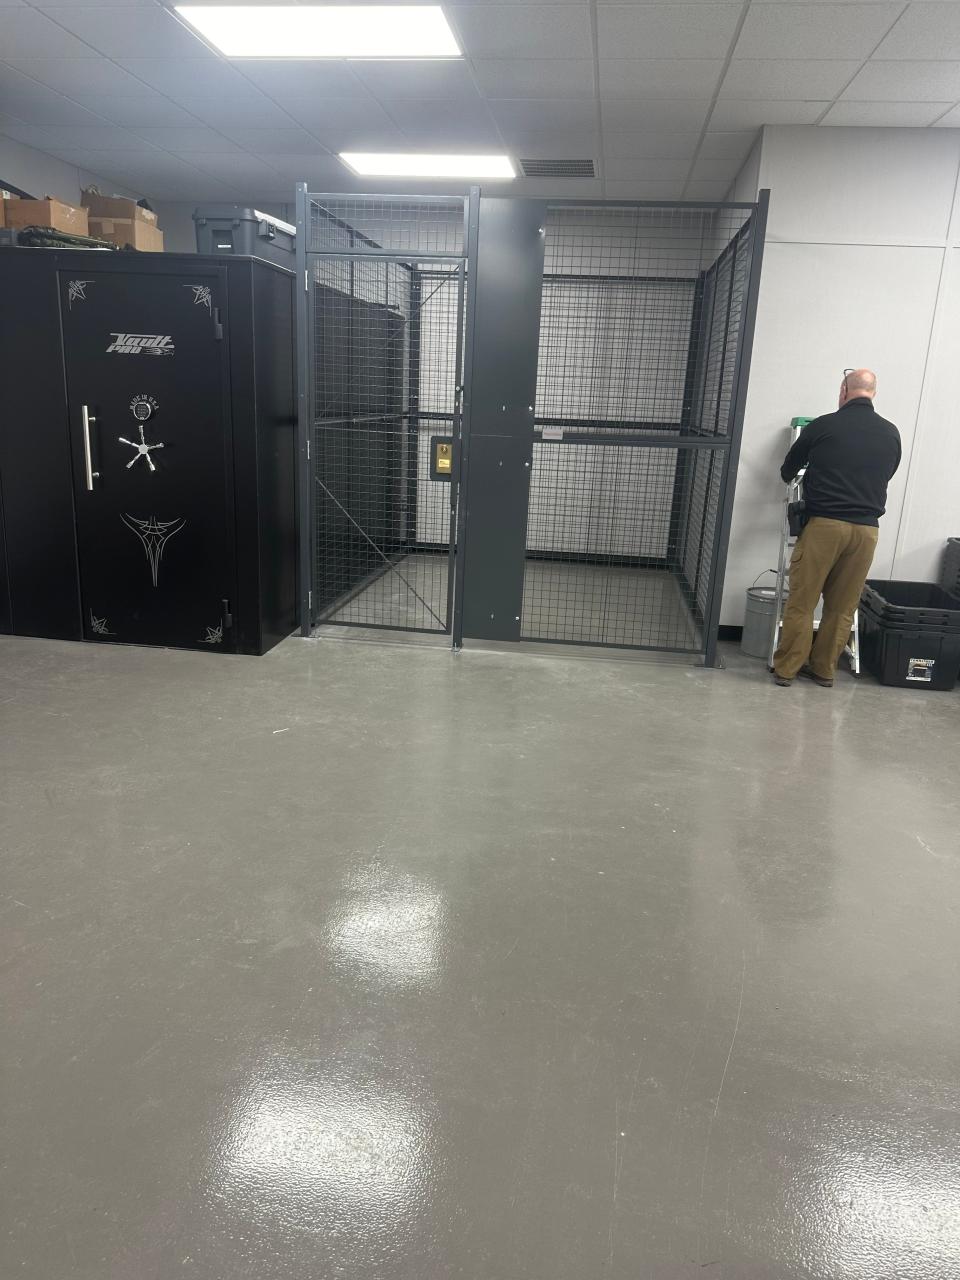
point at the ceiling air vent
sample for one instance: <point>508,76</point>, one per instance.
<point>557,168</point>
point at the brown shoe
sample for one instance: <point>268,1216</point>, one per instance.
<point>809,674</point>
<point>783,681</point>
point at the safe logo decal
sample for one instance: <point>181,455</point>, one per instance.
<point>154,534</point>
<point>141,344</point>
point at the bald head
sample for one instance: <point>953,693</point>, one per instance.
<point>857,383</point>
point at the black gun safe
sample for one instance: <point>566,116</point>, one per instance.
<point>147,449</point>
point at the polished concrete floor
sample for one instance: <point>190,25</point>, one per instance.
<point>373,962</point>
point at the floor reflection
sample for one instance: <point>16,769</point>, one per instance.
<point>389,928</point>
<point>881,1212</point>
<point>325,1154</point>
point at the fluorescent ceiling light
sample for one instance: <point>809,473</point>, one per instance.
<point>324,31</point>
<point>394,165</point>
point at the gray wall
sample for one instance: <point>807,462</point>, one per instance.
<point>42,175</point>
<point>862,267</point>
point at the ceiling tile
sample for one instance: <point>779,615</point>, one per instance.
<point>193,138</point>
<point>448,80</point>
<point>186,77</point>
<point>518,117</point>
<point>556,144</point>
<point>149,160</point>
<point>666,30</point>
<point>29,34</point>
<point>885,114</point>
<point>659,77</point>
<point>298,80</point>
<point>673,116</point>
<point>674,170</point>
<point>732,114</point>
<point>312,169</point>
<point>535,77</point>
<point>31,135</point>
<point>716,170</point>
<point>706,189</point>
<point>263,142</point>
<point>455,126</point>
<point>949,121</point>
<point>905,82</point>
<point>775,78</point>
<point>248,106</point>
<point>234,167</point>
<point>130,32</point>
<point>644,190</point>
<point>147,108</point>
<point>106,137</point>
<point>927,32</point>
<point>735,146</point>
<point>80,78</point>
<point>350,126</point>
<point>31,103</point>
<point>841,31</point>
<point>655,144</point>
<point>522,30</point>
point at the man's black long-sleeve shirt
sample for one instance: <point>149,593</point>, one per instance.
<point>850,457</point>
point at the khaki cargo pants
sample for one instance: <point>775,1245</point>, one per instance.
<point>831,558</point>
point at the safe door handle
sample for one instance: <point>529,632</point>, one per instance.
<point>87,456</point>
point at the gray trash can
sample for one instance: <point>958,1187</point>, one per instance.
<point>758,621</point>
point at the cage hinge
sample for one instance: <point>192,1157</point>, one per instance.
<point>308,450</point>
<point>309,599</point>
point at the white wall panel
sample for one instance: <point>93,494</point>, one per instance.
<point>931,509</point>
<point>860,186</point>
<point>823,307</point>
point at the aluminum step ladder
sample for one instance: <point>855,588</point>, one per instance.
<point>787,543</point>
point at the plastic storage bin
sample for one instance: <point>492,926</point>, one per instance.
<point>234,229</point>
<point>950,567</point>
<point>915,604</point>
<point>910,634</point>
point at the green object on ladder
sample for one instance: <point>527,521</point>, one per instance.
<point>797,423</point>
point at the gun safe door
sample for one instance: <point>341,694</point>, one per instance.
<point>145,375</point>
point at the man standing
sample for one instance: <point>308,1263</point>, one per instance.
<point>850,456</point>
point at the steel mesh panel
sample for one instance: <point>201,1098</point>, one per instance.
<point>343,223</point>
<point>598,533</point>
<point>640,319</point>
<point>385,338</point>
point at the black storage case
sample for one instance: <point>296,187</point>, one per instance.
<point>950,567</point>
<point>922,605</point>
<point>233,229</point>
<point>177,524</point>
<point>910,634</point>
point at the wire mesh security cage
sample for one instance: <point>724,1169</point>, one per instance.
<point>579,491</point>
<point>641,338</point>
<point>381,367</point>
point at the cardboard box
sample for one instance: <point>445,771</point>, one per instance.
<point>124,231</point>
<point>116,207</point>
<point>46,213</point>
